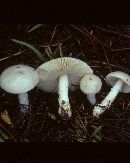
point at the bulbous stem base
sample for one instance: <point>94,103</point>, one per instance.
<point>106,103</point>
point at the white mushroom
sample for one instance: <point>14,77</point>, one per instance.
<point>19,79</point>
<point>90,85</point>
<point>58,75</point>
<point>121,83</point>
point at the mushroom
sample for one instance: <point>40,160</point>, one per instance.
<point>90,85</point>
<point>121,83</point>
<point>58,75</point>
<point>19,79</point>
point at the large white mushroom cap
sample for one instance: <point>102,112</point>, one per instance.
<point>113,77</point>
<point>19,79</point>
<point>50,71</point>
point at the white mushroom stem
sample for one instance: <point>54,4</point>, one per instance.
<point>23,100</point>
<point>63,94</point>
<point>105,104</point>
<point>91,98</point>
<point>63,89</point>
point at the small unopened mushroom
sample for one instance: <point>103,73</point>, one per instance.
<point>90,85</point>
<point>121,83</point>
<point>19,79</point>
<point>59,75</point>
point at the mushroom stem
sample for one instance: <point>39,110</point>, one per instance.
<point>106,103</point>
<point>24,102</point>
<point>91,98</point>
<point>63,95</point>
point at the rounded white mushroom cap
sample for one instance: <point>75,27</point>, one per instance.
<point>50,71</point>
<point>90,84</point>
<point>113,77</point>
<point>19,79</point>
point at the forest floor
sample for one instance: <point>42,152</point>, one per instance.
<point>105,48</point>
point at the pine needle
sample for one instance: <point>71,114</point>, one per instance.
<point>35,27</point>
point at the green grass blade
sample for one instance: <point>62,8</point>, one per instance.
<point>96,131</point>
<point>94,127</point>
<point>61,50</point>
<point>98,137</point>
<point>37,52</point>
<point>2,140</point>
<point>73,132</point>
<point>3,135</point>
<point>35,27</point>
<point>48,52</point>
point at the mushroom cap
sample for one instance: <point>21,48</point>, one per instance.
<point>50,71</point>
<point>113,77</point>
<point>90,84</point>
<point>19,79</point>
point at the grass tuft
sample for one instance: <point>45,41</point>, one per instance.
<point>36,51</point>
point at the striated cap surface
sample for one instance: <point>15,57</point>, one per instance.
<point>50,71</point>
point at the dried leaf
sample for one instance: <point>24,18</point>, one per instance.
<point>6,118</point>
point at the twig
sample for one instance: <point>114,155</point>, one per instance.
<point>107,59</point>
<point>91,38</point>
<point>82,123</point>
<point>104,63</point>
<point>8,133</point>
<point>118,50</point>
<point>113,32</point>
<point>125,111</point>
<point>61,50</point>
<point>53,34</point>
<point>12,55</point>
